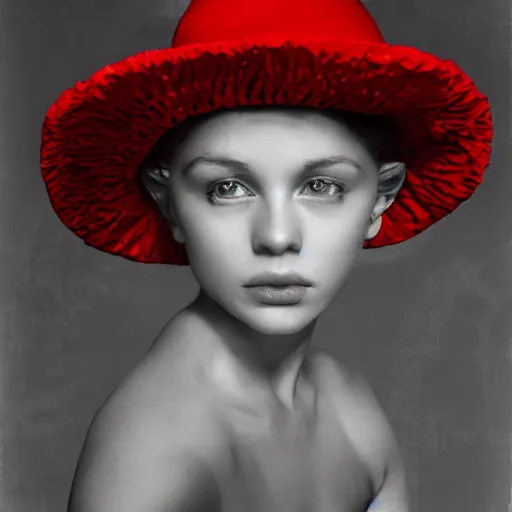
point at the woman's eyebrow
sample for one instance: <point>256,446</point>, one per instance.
<point>308,166</point>
<point>219,161</point>
<point>312,165</point>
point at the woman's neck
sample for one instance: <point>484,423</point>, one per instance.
<point>253,361</point>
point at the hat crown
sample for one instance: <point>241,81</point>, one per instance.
<point>211,21</point>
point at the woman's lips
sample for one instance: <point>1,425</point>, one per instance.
<point>278,295</point>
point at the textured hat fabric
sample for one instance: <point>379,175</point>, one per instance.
<point>326,54</point>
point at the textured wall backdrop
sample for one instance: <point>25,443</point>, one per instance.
<point>427,322</point>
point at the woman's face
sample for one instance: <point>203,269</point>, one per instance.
<point>274,192</point>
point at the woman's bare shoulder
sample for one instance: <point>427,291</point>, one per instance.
<point>169,377</point>
<point>359,412</point>
<point>141,454</point>
<point>152,445</point>
<point>132,464</point>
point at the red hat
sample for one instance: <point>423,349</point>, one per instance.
<point>327,54</point>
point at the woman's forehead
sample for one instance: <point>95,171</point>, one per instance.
<point>245,132</point>
<point>259,121</point>
<point>251,132</point>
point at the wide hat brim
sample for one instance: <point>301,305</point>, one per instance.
<point>97,133</point>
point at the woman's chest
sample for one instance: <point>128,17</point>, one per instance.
<point>295,466</point>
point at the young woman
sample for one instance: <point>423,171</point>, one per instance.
<point>235,152</point>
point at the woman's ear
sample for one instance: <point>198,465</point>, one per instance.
<point>391,179</point>
<point>156,180</point>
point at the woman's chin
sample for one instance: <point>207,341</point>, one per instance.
<point>277,320</point>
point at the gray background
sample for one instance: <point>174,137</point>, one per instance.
<point>426,321</point>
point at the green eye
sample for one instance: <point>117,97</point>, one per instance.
<point>324,188</point>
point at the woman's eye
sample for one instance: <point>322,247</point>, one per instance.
<point>228,190</point>
<point>323,187</point>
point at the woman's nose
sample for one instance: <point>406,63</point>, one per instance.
<point>277,229</point>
